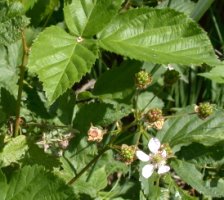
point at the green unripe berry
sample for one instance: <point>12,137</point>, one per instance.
<point>143,79</point>
<point>204,110</point>
<point>128,153</point>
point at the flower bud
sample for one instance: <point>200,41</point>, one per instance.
<point>167,148</point>
<point>95,134</point>
<point>158,124</point>
<point>142,79</point>
<point>204,110</point>
<point>154,115</point>
<point>171,77</point>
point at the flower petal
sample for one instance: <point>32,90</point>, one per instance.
<point>163,169</point>
<point>147,171</point>
<point>164,154</point>
<point>154,145</point>
<point>142,156</point>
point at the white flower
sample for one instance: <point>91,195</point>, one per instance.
<point>156,159</point>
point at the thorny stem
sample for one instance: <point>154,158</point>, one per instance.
<point>87,166</point>
<point>20,83</point>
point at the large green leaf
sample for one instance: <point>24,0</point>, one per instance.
<point>158,36</point>
<point>13,151</point>
<point>191,175</point>
<point>33,183</point>
<point>12,21</point>
<point>187,128</point>
<point>88,17</point>
<point>60,60</point>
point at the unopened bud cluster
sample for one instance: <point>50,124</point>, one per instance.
<point>128,153</point>
<point>155,118</point>
<point>204,110</point>
<point>171,77</point>
<point>142,79</point>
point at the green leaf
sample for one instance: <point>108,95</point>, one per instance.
<point>176,192</point>
<point>148,186</point>
<point>203,155</point>
<point>8,63</point>
<point>200,9</point>
<point>3,185</point>
<point>41,11</point>
<point>28,4</point>
<point>99,114</point>
<point>8,103</point>
<point>191,175</point>
<point>185,6</point>
<point>60,61</point>
<point>34,183</point>
<point>86,18</point>
<point>148,100</point>
<point>12,21</point>
<point>36,155</point>
<point>158,36</point>
<point>99,179</point>
<point>13,151</point>
<point>119,82</point>
<point>216,74</point>
<point>186,128</point>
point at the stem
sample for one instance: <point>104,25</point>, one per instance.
<point>87,166</point>
<point>21,78</point>
<point>217,28</point>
